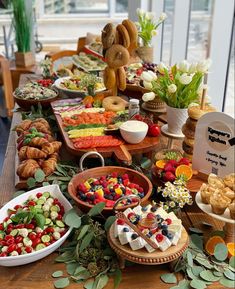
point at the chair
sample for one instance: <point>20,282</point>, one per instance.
<point>6,82</point>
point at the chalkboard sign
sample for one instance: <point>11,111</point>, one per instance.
<point>214,146</point>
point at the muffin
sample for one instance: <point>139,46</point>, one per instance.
<point>219,203</point>
<point>205,193</point>
<point>215,181</point>
<point>232,210</point>
<point>229,181</point>
<point>229,193</point>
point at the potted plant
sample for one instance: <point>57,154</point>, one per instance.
<point>147,28</point>
<point>178,86</point>
<point>22,22</point>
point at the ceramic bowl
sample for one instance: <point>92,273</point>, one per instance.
<point>37,255</point>
<point>133,131</point>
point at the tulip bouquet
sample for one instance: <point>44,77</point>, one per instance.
<point>178,86</point>
<point>147,25</point>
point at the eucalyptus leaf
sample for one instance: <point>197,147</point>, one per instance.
<point>109,222</point>
<point>208,276</point>
<point>226,282</point>
<point>86,241</point>
<point>197,284</point>
<point>97,209</point>
<point>117,278</point>
<point>66,256</point>
<point>196,270</point>
<point>196,242</point>
<point>31,182</point>
<point>184,284</point>
<point>83,231</point>
<point>204,262</point>
<point>221,252</point>
<point>72,219</point>
<point>169,278</point>
<point>232,262</point>
<point>218,274</point>
<point>190,273</point>
<point>39,175</point>
<point>195,231</point>
<point>102,282</point>
<point>189,259</point>
<point>229,274</point>
<point>45,184</point>
<point>79,270</point>
<point>71,267</point>
<point>89,284</point>
<point>61,283</point>
<point>57,274</point>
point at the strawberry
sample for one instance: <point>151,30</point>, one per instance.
<point>169,177</point>
<point>159,237</point>
<point>120,222</point>
<point>110,203</point>
<point>184,161</point>
<point>169,168</point>
<point>174,163</point>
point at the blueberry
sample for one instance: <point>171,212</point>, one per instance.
<point>159,225</point>
<point>153,209</point>
<point>144,209</point>
<point>149,234</point>
<point>83,197</point>
<point>164,232</point>
<point>158,216</point>
<point>128,201</point>
<point>164,227</point>
<point>161,220</point>
<point>126,229</point>
<point>141,195</point>
<point>138,217</point>
<point>112,191</point>
<point>170,236</point>
<point>111,197</point>
<point>134,236</point>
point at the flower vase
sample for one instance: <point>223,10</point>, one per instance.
<point>145,53</point>
<point>176,117</point>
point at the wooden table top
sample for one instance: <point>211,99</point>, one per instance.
<point>38,274</point>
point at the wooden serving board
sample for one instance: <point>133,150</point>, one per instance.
<point>123,152</point>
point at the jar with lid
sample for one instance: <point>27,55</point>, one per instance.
<point>134,107</point>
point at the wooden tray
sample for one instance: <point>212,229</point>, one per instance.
<point>123,152</point>
<point>142,256</point>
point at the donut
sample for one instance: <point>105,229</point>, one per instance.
<point>124,37</point>
<point>121,78</point>
<point>195,112</point>
<point>117,56</point>
<point>189,141</point>
<point>133,33</point>
<point>108,35</point>
<point>191,123</point>
<point>114,103</point>
<point>186,148</point>
<point>109,77</point>
<point>188,132</point>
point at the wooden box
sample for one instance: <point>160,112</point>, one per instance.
<point>24,59</point>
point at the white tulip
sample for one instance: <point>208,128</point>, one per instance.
<point>161,67</point>
<point>147,76</point>
<point>192,68</point>
<point>140,12</point>
<point>162,17</point>
<point>147,85</point>
<point>185,79</point>
<point>154,33</point>
<point>153,74</point>
<point>183,66</point>
<point>148,96</point>
<point>151,15</point>
<point>172,88</point>
<point>203,66</point>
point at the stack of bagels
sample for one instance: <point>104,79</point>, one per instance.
<point>188,129</point>
<point>118,42</point>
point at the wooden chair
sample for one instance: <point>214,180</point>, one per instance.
<point>6,82</point>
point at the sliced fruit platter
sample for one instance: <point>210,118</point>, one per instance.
<point>135,70</point>
<point>88,62</point>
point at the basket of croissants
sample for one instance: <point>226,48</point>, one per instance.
<point>37,149</point>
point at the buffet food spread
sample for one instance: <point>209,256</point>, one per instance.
<point>141,199</point>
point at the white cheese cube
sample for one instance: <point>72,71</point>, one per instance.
<point>176,238</point>
<point>118,229</point>
<point>125,237</point>
<point>137,210</point>
<point>176,222</point>
<point>127,211</point>
<point>148,247</point>
<point>137,243</point>
<point>164,244</point>
<point>160,211</point>
<point>172,216</point>
<point>174,228</point>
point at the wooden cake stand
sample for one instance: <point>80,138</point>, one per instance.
<point>142,256</point>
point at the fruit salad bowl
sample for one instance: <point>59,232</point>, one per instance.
<point>36,255</point>
<point>86,195</point>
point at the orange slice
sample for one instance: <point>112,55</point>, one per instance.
<point>231,249</point>
<point>185,171</point>
<point>160,164</point>
<point>212,242</point>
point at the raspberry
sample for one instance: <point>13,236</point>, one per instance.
<point>120,222</point>
<point>130,215</point>
<point>151,216</point>
<point>169,221</point>
<point>159,237</point>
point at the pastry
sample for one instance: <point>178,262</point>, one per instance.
<point>206,192</point>
<point>215,181</point>
<point>38,142</point>
<point>195,112</point>
<point>108,35</point>
<point>232,210</point>
<point>187,148</point>
<point>49,165</point>
<point>229,181</point>
<point>124,38</point>
<point>114,103</point>
<point>219,203</point>
<point>229,193</point>
<point>191,123</point>
<point>50,148</point>
<point>121,78</point>
<point>27,152</point>
<point>189,141</point>
<point>109,78</point>
<point>117,56</point>
<point>27,168</point>
<point>133,33</point>
<point>188,132</point>
<point>23,126</point>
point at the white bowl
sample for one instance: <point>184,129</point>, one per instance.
<point>37,255</point>
<point>134,131</point>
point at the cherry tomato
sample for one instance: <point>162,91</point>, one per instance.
<point>39,235</point>
<point>154,130</point>
<point>59,217</point>
<point>31,203</point>
<point>3,254</point>
<point>28,249</point>
<point>1,227</point>
<point>11,248</point>
<point>19,226</point>
<point>32,236</point>
<point>29,226</point>
<point>19,250</point>
<point>47,243</point>
<point>36,242</point>
<point>39,195</point>
<point>49,230</point>
<point>8,237</point>
<point>17,207</point>
<point>10,241</point>
<point>3,243</point>
<point>18,239</point>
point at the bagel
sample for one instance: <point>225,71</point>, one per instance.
<point>109,78</point>
<point>108,35</point>
<point>117,56</point>
<point>114,103</point>
<point>121,78</point>
<point>186,148</point>
<point>191,123</point>
<point>133,33</point>
<point>195,112</point>
<point>124,37</point>
<point>188,132</point>
<point>189,141</point>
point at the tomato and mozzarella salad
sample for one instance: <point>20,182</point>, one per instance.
<point>32,226</point>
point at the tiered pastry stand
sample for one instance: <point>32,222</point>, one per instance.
<point>229,227</point>
<point>142,256</point>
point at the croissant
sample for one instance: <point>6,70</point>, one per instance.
<point>42,121</point>
<point>52,147</point>
<point>27,168</point>
<point>41,127</point>
<point>23,126</point>
<point>38,142</point>
<point>49,165</point>
<point>27,152</point>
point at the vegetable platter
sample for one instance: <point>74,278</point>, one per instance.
<point>36,208</point>
<point>83,129</point>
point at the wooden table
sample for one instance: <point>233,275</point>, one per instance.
<point>38,274</point>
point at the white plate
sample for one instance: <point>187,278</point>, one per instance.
<point>58,81</point>
<point>37,255</point>
<point>207,209</point>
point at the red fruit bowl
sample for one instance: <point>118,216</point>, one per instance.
<point>134,177</point>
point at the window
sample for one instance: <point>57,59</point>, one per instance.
<point>121,6</point>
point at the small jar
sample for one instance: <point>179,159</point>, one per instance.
<point>134,107</point>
